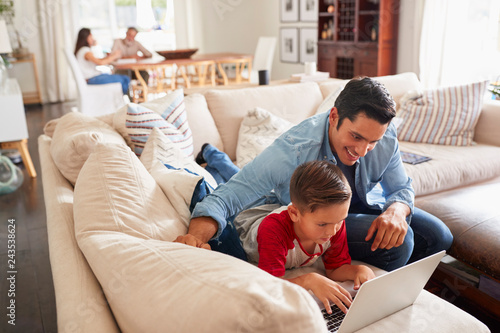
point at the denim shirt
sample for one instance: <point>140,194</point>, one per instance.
<point>266,179</point>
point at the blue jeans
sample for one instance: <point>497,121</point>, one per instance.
<point>111,78</point>
<point>426,235</point>
<point>219,165</point>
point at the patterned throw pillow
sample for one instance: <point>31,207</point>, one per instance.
<point>258,130</point>
<point>445,116</point>
<point>168,114</point>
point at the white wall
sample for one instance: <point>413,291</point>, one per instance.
<point>235,26</point>
<point>26,22</point>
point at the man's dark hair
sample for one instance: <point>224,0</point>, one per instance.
<point>368,96</point>
<point>133,28</point>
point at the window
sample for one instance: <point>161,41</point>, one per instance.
<point>109,20</point>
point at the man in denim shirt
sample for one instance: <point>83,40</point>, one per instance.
<point>383,227</point>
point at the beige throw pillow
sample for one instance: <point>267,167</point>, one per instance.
<point>74,138</point>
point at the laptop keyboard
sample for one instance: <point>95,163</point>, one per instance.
<point>334,319</point>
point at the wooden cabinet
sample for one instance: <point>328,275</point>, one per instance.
<point>358,37</point>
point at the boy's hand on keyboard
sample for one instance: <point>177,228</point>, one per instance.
<point>363,274</point>
<point>328,291</point>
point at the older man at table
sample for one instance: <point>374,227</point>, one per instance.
<point>129,49</point>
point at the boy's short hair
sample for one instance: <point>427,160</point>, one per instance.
<point>368,96</point>
<point>317,184</point>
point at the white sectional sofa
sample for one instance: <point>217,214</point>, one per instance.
<point>111,220</point>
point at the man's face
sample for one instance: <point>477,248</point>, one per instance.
<point>353,140</point>
<point>130,36</point>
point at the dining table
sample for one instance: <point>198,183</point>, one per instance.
<point>177,68</point>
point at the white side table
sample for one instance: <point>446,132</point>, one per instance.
<point>13,129</point>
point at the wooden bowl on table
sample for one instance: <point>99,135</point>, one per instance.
<point>177,54</point>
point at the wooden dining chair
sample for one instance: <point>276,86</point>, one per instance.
<point>162,79</point>
<point>240,65</point>
<point>196,74</point>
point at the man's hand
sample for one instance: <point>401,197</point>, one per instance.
<point>391,227</point>
<point>325,290</point>
<point>201,229</point>
<point>192,241</point>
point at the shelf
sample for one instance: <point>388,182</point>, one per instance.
<point>363,42</point>
<point>368,12</point>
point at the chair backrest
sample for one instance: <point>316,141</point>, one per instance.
<point>81,84</point>
<point>264,53</point>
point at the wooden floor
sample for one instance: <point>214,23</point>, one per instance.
<point>34,291</point>
<point>35,309</point>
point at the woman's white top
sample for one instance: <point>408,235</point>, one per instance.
<point>88,67</point>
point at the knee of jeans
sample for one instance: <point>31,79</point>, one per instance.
<point>405,250</point>
<point>445,240</point>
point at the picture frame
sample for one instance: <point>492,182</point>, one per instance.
<point>308,45</point>
<point>289,45</point>
<point>308,10</point>
<point>289,10</point>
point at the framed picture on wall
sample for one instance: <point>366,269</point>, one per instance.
<point>308,10</point>
<point>289,10</point>
<point>289,45</point>
<point>308,45</point>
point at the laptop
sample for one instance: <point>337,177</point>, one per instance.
<point>383,296</point>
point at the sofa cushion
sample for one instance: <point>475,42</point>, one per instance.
<point>397,85</point>
<point>135,122</point>
<point>73,139</point>
<point>293,102</point>
<point>451,166</point>
<point>125,225</point>
<point>472,215</point>
<point>258,130</point>
<point>202,123</point>
<point>445,116</point>
<point>486,130</point>
<point>329,101</point>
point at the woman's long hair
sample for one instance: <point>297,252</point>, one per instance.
<point>81,41</point>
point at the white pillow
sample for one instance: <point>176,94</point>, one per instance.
<point>181,179</point>
<point>258,130</point>
<point>124,225</point>
<point>160,148</point>
<point>329,102</point>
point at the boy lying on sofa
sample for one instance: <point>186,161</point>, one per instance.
<point>312,226</point>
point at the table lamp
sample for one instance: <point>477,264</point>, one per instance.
<point>4,49</point>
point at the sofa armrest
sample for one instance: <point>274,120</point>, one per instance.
<point>488,124</point>
<point>81,305</point>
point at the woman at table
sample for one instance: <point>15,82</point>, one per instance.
<point>88,62</point>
